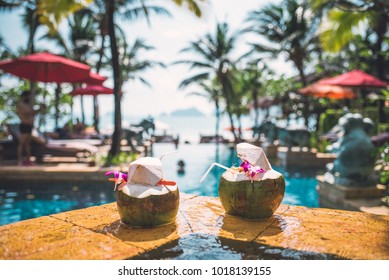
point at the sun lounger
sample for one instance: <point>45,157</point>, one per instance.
<point>55,148</point>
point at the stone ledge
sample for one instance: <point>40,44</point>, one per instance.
<point>304,157</point>
<point>366,199</point>
<point>61,173</point>
<point>96,232</point>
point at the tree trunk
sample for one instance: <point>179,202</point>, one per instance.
<point>255,102</point>
<point>32,31</point>
<point>380,31</point>
<point>303,79</point>
<point>101,54</point>
<point>56,102</point>
<point>82,109</point>
<point>116,136</point>
<point>217,114</point>
<point>239,117</point>
<point>96,114</point>
<point>223,80</point>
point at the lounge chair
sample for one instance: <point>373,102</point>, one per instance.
<point>40,148</point>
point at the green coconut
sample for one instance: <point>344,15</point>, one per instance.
<point>253,191</point>
<point>257,199</point>
<point>151,210</point>
<point>145,201</point>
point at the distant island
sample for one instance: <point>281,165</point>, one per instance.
<point>189,112</point>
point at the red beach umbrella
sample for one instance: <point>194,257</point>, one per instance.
<point>327,91</point>
<point>93,90</point>
<point>355,78</point>
<point>46,67</point>
<point>93,79</point>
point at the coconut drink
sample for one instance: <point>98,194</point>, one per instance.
<point>144,197</point>
<point>253,190</point>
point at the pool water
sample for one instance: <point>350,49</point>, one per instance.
<point>20,203</point>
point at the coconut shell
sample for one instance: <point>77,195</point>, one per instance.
<point>252,200</point>
<point>150,211</point>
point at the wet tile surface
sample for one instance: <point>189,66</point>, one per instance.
<point>292,233</point>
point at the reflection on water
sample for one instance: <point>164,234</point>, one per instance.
<point>22,201</point>
<point>210,247</point>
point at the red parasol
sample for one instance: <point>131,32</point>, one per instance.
<point>46,67</point>
<point>327,91</point>
<point>355,78</point>
<point>93,90</point>
<point>93,79</point>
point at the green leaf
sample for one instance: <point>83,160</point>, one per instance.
<point>340,28</point>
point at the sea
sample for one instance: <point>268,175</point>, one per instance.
<point>188,127</point>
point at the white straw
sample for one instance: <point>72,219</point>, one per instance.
<point>167,154</point>
<point>212,165</point>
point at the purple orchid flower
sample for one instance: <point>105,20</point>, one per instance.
<point>119,179</point>
<point>251,170</point>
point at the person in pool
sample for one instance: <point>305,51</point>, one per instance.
<point>26,114</point>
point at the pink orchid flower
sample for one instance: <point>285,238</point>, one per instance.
<point>120,179</point>
<point>250,169</point>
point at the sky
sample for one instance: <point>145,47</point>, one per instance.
<point>168,36</point>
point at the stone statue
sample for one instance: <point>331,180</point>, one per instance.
<point>355,160</point>
<point>267,129</point>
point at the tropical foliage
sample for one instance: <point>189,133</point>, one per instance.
<point>214,61</point>
<point>320,38</point>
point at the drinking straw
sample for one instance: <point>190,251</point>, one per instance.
<point>219,165</point>
<point>167,154</point>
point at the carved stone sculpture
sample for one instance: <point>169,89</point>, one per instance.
<point>267,129</point>
<point>354,164</point>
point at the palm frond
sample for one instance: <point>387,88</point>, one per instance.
<point>9,5</point>
<point>144,12</point>
<point>340,29</point>
<point>192,5</point>
<point>194,79</point>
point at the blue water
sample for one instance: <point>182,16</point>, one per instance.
<point>21,202</point>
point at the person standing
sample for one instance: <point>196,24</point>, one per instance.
<point>26,114</point>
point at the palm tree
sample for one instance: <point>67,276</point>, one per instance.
<point>211,90</point>
<point>130,10</point>
<point>213,53</point>
<point>343,20</point>
<point>30,17</point>
<point>251,79</point>
<point>342,28</point>
<point>78,45</point>
<point>289,28</point>
<point>5,51</point>
<point>132,64</point>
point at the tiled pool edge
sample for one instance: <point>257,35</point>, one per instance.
<point>96,232</point>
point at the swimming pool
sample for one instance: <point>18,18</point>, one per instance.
<point>20,203</point>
